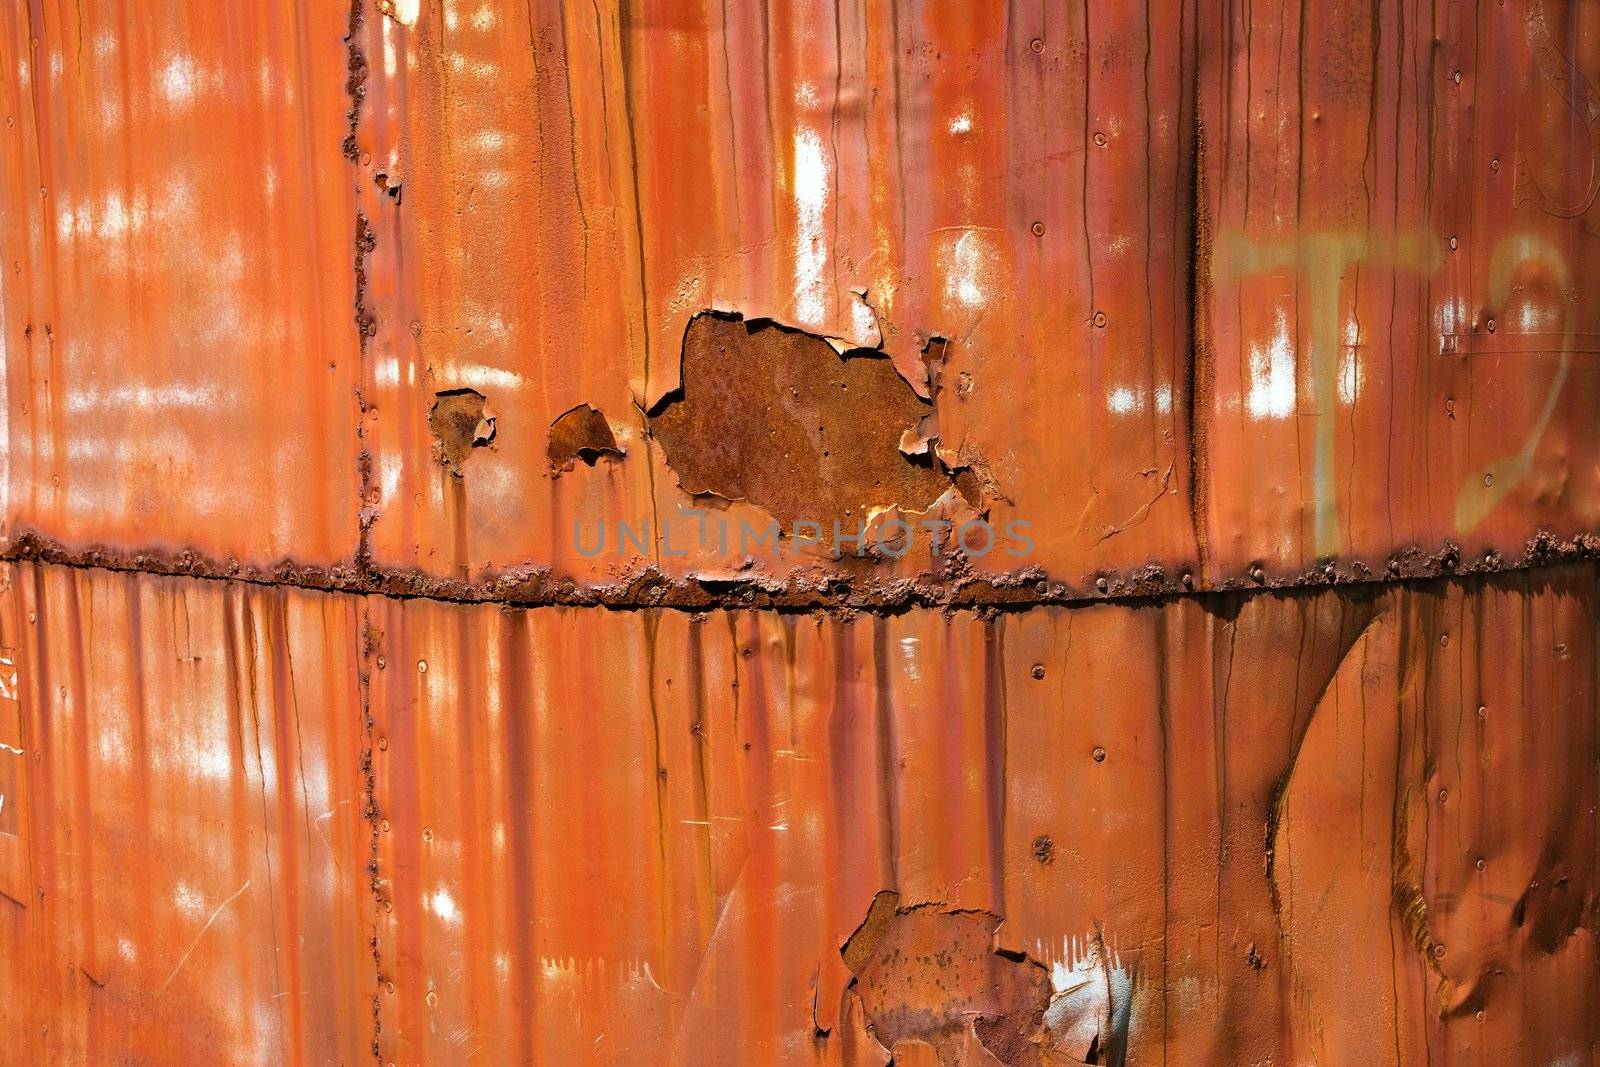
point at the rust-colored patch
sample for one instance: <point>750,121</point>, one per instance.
<point>777,417</point>
<point>932,974</point>
<point>580,433</point>
<point>459,421</point>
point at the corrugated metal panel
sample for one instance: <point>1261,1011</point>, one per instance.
<point>1380,211</point>
<point>383,298</point>
<point>175,221</point>
<point>1276,828</point>
<point>190,882</point>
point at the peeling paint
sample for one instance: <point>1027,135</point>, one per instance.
<point>581,434</point>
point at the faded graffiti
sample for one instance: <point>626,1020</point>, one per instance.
<point>1524,265</point>
<point>1545,280</point>
<point>1322,261</point>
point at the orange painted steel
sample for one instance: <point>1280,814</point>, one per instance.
<point>1220,292</point>
<point>646,837</point>
<point>1211,297</point>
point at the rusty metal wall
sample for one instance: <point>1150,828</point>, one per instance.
<point>1226,295</point>
<point>323,739</point>
<point>632,837</point>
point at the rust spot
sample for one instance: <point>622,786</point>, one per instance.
<point>459,422</point>
<point>1044,849</point>
<point>933,974</point>
<point>777,417</point>
<point>581,433</point>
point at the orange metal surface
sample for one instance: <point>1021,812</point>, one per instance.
<point>635,837</point>
<point>319,319</point>
<point>1219,287</point>
<point>1385,312</point>
<point>175,224</point>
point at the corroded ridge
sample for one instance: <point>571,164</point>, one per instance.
<point>955,587</point>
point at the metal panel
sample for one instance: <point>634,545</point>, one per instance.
<point>175,223</point>
<point>322,318</point>
<point>1381,352</point>
<point>1215,299</point>
<point>194,883</point>
<point>1266,828</point>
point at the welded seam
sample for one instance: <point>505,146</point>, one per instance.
<point>955,588</point>
<point>366,328</point>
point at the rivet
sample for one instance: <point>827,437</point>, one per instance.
<point>1452,244</point>
<point>1494,166</point>
<point>1458,77</point>
<point>1101,584</point>
<point>1329,570</point>
<point>1438,951</point>
<point>1478,1015</point>
<point>1187,579</point>
<point>33,617</point>
<point>1038,229</point>
<point>384,826</point>
<point>380,663</point>
<point>1036,46</point>
<point>1483,712</point>
<point>1444,640</point>
<point>1099,755</point>
<point>390,987</point>
<point>422,666</point>
<point>1444,795</point>
<point>1488,480</point>
<point>1256,573</point>
<point>383,744</point>
<point>1482,863</point>
<point>1038,672</point>
<point>1043,588</point>
<point>1100,139</point>
<point>427,833</point>
<point>1100,318</point>
<point>432,998</point>
<point>1489,326</point>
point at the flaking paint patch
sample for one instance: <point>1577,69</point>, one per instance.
<point>930,974</point>
<point>460,421</point>
<point>777,417</point>
<point>580,433</point>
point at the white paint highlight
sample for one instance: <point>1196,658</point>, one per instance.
<point>178,81</point>
<point>1124,401</point>
<point>442,904</point>
<point>1351,373</point>
<point>810,242</point>
<point>1272,388</point>
<point>965,270</point>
